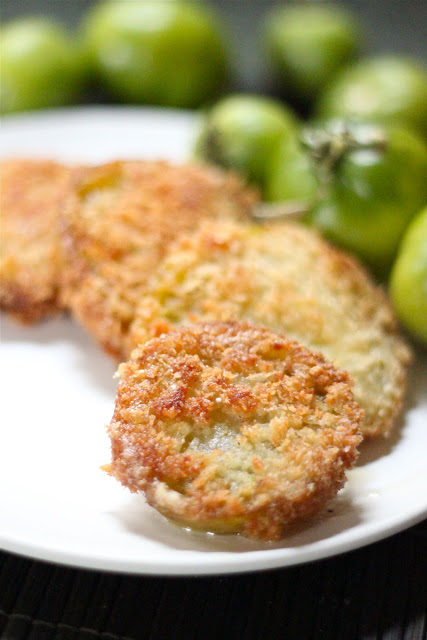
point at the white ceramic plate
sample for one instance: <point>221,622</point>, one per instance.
<point>58,392</point>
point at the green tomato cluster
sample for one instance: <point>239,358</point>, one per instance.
<point>163,53</point>
<point>360,183</point>
<point>368,198</point>
<point>175,54</point>
<point>361,175</point>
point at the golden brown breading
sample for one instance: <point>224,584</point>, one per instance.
<point>229,427</point>
<point>118,224</point>
<point>30,263</point>
<point>285,277</point>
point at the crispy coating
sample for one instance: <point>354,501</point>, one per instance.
<point>118,223</point>
<point>31,195</point>
<point>228,427</point>
<point>287,278</point>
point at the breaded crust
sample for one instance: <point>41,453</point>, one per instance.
<point>30,264</point>
<point>285,277</point>
<point>117,225</point>
<point>229,427</point>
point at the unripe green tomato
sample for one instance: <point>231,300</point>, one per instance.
<point>40,65</point>
<point>241,132</point>
<point>408,283</point>
<point>307,44</point>
<point>373,195</point>
<point>164,53</point>
<point>290,175</point>
<point>388,89</point>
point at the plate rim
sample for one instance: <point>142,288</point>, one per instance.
<point>244,562</point>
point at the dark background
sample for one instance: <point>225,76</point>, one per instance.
<point>389,25</point>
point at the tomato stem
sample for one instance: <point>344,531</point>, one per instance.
<point>328,148</point>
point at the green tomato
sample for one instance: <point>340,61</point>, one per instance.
<point>388,89</point>
<point>373,194</point>
<point>408,283</point>
<point>241,132</point>
<point>40,65</point>
<point>164,53</point>
<point>307,44</point>
<point>290,175</point>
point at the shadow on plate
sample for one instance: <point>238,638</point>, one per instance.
<point>141,520</point>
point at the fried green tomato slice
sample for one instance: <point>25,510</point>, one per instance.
<point>230,428</point>
<point>31,258</point>
<point>287,278</point>
<point>117,225</point>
